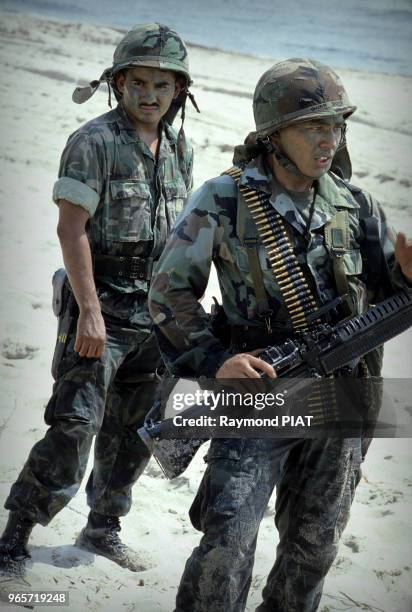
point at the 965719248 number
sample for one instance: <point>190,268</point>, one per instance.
<point>39,598</point>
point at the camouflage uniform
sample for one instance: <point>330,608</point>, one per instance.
<point>216,226</point>
<point>315,479</point>
<point>132,201</point>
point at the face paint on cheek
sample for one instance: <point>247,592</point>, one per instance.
<point>139,96</point>
<point>311,138</point>
<point>133,97</point>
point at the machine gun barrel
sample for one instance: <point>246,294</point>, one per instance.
<point>365,332</point>
<point>321,351</point>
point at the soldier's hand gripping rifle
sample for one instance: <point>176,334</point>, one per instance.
<point>316,353</point>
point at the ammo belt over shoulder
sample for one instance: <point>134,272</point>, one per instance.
<point>136,268</point>
<point>287,270</point>
<point>295,289</point>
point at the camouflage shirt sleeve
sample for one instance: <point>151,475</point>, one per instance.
<point>81,172</point>
<point>186,340</point>
<point>387,236</point>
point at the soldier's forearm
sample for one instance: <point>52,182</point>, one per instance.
<point>77,256</point>
<point>78,262</point>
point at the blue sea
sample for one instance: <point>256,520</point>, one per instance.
<point>372,35</point>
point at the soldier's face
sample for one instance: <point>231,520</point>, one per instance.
<point>311,145</point>
<point>147,94</point>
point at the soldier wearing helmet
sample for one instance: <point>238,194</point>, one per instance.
<point>123,179</point>
<point>287,190</point>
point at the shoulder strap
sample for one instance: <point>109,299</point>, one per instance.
<point>182,156</point>
<point>375,267</point>
<point>337,243</point>
<point>263,308</point>
<point>287,270</point>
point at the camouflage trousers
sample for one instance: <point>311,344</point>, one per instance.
<point>315,480</point>
<point>107,398</point>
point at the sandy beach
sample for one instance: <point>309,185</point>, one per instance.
<point>42,63</point>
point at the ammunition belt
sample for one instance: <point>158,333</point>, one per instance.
<point>124,266</point>
<point>295,289</point>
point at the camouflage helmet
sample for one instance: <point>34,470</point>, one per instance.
<point>155,46</point>
<point>151,45</point>
<point>296,90</point>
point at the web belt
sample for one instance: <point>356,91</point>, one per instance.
<point>124,266</point>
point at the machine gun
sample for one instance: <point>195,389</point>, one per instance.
<point>318,352</point>
<point>324,349</point>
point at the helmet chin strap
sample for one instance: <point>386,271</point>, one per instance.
<point>288,164</point>
<point>285,162</point>
<point>282,159</point>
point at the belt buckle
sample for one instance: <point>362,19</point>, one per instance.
<point>136,268</point>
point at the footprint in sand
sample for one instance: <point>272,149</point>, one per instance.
<point>225,148</point>
<point>341,565</point>
<point>17,350</point>
<point>390,578</point>
<point>386,513</point>
<point>384,178</point>
<point>379,496</point>
<point>180,481</point>
<point>153,471</point>
<point>361,173</point>
<point>353,543</point>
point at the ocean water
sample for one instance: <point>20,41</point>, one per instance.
<point>372,35</point>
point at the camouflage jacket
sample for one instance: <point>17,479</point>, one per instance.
<point>132,201</point>
<point>214,227</point>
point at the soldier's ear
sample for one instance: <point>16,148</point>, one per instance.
<point>179,84</point>
<point>119,80</point>
<point>275,138</point>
